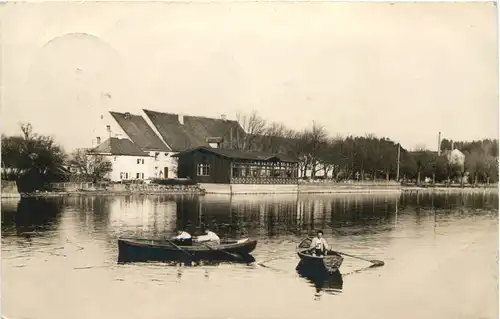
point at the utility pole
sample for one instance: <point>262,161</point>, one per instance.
<point>399,155</point>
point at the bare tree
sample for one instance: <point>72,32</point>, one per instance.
<point>254,126</point>
<point>330,156</point>
<point>310,144</point>
<point>277,138</point>
<point>92,167</point>
<point>27,130</point>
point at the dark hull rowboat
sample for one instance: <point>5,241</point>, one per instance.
<point>331,281</point>
<point>141,249</point>
<point>329,263</point>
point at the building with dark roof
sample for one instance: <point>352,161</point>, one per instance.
<point>181,132</point>
<point>127,159</point>
<point>226,166</point>
<point>142,134</point>
<point>139,132</point>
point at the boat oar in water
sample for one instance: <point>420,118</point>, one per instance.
<point>179,248</point>
<point>375,263</point>
<point>226,252</point>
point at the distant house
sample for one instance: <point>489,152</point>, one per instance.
<point>226,166</point>
<point>144,136</point>
<point>181,132</point>
<point>128,160</point>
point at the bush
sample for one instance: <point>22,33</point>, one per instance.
<point>173,181</point>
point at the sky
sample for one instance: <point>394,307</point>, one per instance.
<point>404,71</point>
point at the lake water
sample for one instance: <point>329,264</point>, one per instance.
<point>59,257</point>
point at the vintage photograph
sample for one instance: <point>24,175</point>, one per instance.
<point>249,159</point>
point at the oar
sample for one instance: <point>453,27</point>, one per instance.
<point>226,252</point>
<point>375,262</point>
<point>179,248</point>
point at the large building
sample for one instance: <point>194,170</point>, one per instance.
<point>156,137</point>
<point>129,162</point>
<point>226,166</point>
<point>162,165</point>
<point>230,171</point>
<point>181,132</point>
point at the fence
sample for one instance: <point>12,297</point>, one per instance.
<point>74,187</point>
<point>328,182</point>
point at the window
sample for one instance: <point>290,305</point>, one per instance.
<point>138,161</point>
<point>114,158</point>
<point>156,155</point>
<point>142,161</point>
<point>142,175</point>
<point>166,154</point>
<point>138,175</point>
<point>203,169</point>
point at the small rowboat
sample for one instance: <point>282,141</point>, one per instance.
<point>332,282</point>
<point>142,249</point>
<point>330,263</point>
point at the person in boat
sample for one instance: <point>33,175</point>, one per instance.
<point>209,237</point>
<point>319,245</point>
<point>183,238</point>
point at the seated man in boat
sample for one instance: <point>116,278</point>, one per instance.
<point>183,238</point>
<point>209,237</point>
<point>319,245</point>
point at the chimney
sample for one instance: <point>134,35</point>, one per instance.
<point>108,128</point>
<point>223,117</point>
<point>127,115</point>
<point>181,119</point>
<point>439,144</point>
<point>231,137</point>
<point>98,140</point>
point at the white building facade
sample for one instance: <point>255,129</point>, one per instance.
<point>128,161</point>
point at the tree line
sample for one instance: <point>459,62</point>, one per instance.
<point>339,158</point>
<point>34,160</point>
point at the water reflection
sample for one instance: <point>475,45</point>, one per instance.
<point>237,216</point>
<point>30,217</point>
<point>321,280</point>
<point>73,241</point>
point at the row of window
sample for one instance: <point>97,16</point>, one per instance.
<point>263,172</point>
<point>141,160</point>
<point>266,164</point>
<point>125,175</point>
<point>251,171</point>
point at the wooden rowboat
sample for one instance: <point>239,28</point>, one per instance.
<point>330,263</point>
<point>329,281</point>
<point>142,249</point>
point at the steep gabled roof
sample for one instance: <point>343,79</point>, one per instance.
<point>194,131</point>
<point>136,127</point>
<point>118,146</point>
<point>234,154</point>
